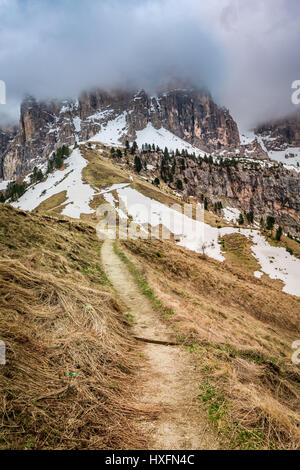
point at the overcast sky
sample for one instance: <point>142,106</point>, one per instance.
<point>245,51</point>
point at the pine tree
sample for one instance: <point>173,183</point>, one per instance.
<point>58,162</point>
<point>179,185</point>
<point>241,219</point>
<point>270,222</point>
<point>134,147</point>
<point>279,233</point>
<point>250,217</point>
<point>40,175</point>
<point>137,164</point>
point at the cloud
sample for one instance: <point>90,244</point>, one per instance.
<point>58,48</point>
<point>245,52</point>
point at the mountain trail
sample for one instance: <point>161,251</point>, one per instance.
<point>167,377</point>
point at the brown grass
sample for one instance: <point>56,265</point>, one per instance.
<point>58,315</point>
<point>54,203</point>
<point>240,330</point>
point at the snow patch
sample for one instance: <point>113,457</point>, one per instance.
<point>200,237</point>
<point>231,214</point>
<point>77,123</point>
<point>112,131</point>
<point>164,138</point>
<point>4,184</point>
<point>79,194</point>
<point>258,274</point>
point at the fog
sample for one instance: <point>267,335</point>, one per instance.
<point>244,51</point>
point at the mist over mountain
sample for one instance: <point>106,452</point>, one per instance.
<point>245,54</point>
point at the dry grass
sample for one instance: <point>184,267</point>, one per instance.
<point>240,330</point>
<point>59,317</point>
<point>54,203</point>
<point>101,171</point>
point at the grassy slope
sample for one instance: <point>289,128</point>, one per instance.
<point>58,315</point>
<point>240,330</point>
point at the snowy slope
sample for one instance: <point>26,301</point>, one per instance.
<point>279,156</point>
<point>247,137</point>
<point>115,129</point>
<point>231,214</point>
<point>112,132</point>
<point>3,185</point>
<point>201,237</point>
<point>79,194</point>
<point>164,138</point>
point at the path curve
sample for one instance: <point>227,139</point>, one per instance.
<point>167,379</point>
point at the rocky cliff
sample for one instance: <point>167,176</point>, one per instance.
<point>192,115</point>
<point>7,134</point>
<point>262,189</point>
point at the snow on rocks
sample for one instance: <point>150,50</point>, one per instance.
<point>248,137</point>
<point>78,193</point>
<point>289,163</point>
<point>231,214</point>
<point>112,131</point>
<point>77,123</point>
<point>3,185</point>
<point>100,115</point>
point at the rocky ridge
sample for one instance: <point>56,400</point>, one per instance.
<point>189,114</point>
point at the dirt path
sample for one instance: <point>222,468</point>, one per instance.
<point>168,378</point>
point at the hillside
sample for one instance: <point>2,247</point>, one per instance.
<point>239,331</point>
<point>209,157</point>
<point>70,357</point>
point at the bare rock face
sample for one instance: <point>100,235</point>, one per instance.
<point>254,150</point>
<point>273,190</point>
<point>30,140</point>
<point>264,191</point>
<point>189,114</point>
<point>7,134</point>
<point>196,118</point>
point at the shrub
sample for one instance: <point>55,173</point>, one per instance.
<point>179,185</point>
<point>270,222</point>
<point>15,190</point>
<point>241,220</point>
<point>278,234</point>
